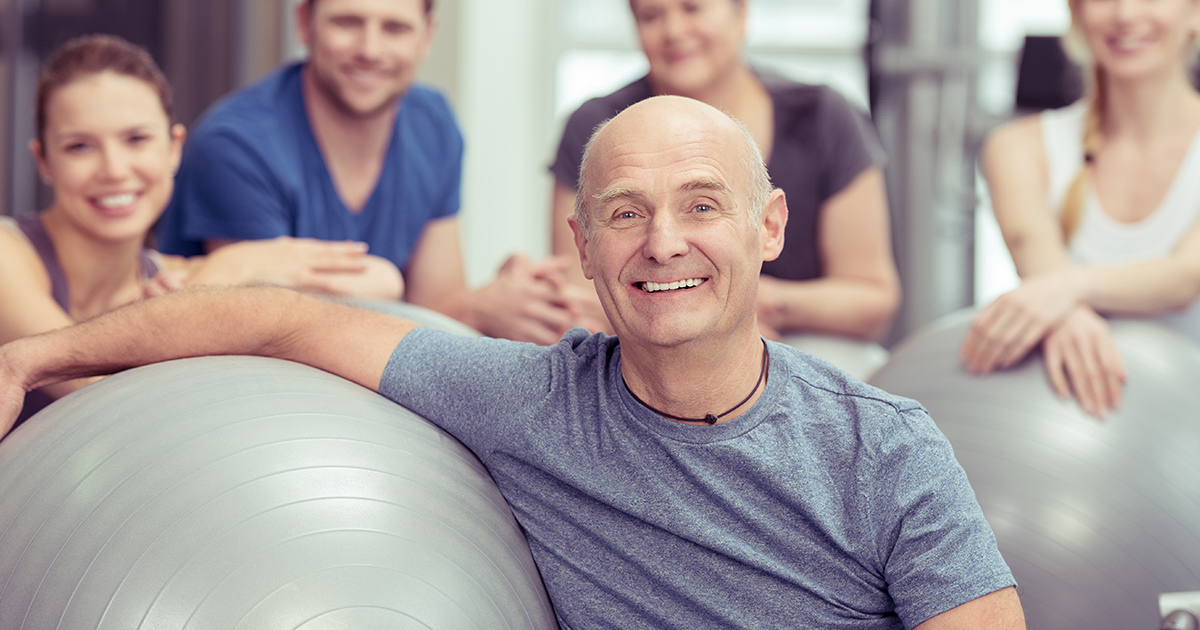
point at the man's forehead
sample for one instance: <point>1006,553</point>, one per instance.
<point>670,163</point>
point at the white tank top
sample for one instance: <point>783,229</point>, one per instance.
<point>1101,240</point>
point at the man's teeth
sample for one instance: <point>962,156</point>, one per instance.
<point>118,201</point>
<point>653,287</point>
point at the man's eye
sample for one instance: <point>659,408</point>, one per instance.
<point>703,207</point>
<point>627,214</point>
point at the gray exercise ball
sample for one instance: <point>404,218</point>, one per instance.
<point>243,492</point>
<point>1096,518</point>
<point>412,312</point>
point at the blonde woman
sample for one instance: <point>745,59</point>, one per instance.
<point>1099,202</point>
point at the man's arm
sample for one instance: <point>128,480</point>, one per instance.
<point>269,322</point>
<point>1000,610</point>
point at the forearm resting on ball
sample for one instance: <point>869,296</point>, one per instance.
<point>261,321</point>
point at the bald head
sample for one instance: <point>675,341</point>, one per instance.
<point>665,123</point>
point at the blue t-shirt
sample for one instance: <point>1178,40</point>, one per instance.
<point>252,170</point>
<point>830,504</point>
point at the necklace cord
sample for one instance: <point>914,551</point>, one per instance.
<point>709,418</point>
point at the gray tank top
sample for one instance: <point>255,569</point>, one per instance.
<point>35,231</point>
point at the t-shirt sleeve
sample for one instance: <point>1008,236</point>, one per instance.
<point>225,190</point>
<point>472,387</point>
<point>851,143</point>
<point>940,551</point>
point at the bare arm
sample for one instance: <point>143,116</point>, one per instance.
<point>1051,304</point>
<point>1155,286</point>
<point>26,305</point>
<point>269,322</point>
<point>1000,610</point>
<point>525,302</point>
<point>860,290</point>
<point>333,267</point>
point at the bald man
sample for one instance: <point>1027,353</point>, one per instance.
<point>683,474</point>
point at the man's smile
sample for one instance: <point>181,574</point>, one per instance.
<point>656,287</point>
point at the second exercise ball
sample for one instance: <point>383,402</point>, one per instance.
<point>1095,517</point>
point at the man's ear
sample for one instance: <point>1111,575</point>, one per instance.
<point>430,28</point>
<point>774,220</point>
<point>303,22</point>
<point>581,245</point>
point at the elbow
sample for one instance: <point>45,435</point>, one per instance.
<point>882,312</point>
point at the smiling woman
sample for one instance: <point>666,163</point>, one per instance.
<point>106,145</point>
<point>836,276</point>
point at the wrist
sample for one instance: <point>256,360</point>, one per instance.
<point>1080,282</point>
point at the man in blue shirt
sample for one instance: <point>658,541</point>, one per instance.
<point>685,474</point>
<point>345,146</point>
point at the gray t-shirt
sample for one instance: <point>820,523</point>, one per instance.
<point>830,504</point>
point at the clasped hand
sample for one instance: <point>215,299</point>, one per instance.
<point>532,301</point>
<point>1079,351</point>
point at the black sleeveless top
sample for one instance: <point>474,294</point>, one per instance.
<point>35,231</point>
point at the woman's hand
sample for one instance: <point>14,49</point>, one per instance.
<point>1011,326</point>
<point>1081,356</point>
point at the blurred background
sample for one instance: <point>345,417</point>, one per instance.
<point>935,74</point>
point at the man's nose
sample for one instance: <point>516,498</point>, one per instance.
<point>665,239</point>
<point>370,44</point>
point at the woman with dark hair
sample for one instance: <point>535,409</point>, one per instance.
<point>1099,202</point>
<point>836,274</point>
<point>106,145</point>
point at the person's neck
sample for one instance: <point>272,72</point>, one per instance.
<point>732,92</point>
<point>698,378</point>
<point>344,138</point>
<point>100,275</point>
<point>1151,109</point>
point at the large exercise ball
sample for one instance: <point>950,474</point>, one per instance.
<point>1096,518</point>
<point>417,314</point>
<point>242,492</point>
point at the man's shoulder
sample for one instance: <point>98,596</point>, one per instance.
<point>256,109</point>
<point>256,126</point>
<point>821,383</point>
<point>427,103</point>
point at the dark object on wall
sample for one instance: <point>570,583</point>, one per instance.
<point>1046,78</point>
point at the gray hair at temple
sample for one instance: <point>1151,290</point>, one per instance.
<point>752,161</point>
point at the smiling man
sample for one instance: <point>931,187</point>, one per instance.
<point>347,146</point>
<point>684,474</point>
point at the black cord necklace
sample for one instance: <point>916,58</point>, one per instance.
<point>709,418</point>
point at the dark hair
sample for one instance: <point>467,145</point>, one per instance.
<point>428,5</point>
<point>93,54</point>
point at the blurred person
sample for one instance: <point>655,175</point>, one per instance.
<point>346,145</point>
<point>107,147</point>
<point>1099,202</point>
<point>836,275</point>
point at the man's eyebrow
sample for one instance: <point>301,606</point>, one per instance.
<point>614,193</point>
<point>706,183</point>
